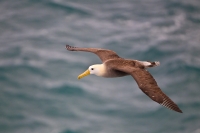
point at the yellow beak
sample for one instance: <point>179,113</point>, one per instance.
<point>87,72</point>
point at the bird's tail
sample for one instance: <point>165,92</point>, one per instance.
<point>150,64</point>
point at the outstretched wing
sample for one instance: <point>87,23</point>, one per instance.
<point>148,85</point>
<point>104,54</point>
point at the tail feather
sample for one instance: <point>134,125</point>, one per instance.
<point>150,64</point>
<point>155,63</point>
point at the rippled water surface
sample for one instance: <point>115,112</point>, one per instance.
<point>40,92</point>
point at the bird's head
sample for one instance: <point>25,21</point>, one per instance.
<point>97,70</point>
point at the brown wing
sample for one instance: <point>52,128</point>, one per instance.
<point>148,85</point>
<point>103,54</point>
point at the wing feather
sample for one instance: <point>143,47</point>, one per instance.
<point>145,81</point>
<point>149,86</point>
<point>104,54</point>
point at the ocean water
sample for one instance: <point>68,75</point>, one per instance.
<point>39,90</point>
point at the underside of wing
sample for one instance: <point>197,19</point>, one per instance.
<point>104,54</point>
<point>148,85</point>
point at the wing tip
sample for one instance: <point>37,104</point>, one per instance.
<point>179,110</point>
<point>176,109</point>
<point>68,47</point>
<point>172,106</point>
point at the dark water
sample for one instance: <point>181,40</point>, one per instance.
<point>40,92</point>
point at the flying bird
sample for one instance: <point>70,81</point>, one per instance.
<point>114,66</point>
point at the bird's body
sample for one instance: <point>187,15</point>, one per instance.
<point>115,66</point>
<point>108,70</point>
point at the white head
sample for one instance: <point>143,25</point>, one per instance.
<point>97,70</point>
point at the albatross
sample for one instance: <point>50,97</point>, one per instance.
<point>114,66</point>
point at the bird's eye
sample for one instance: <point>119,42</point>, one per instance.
<point>92,68</point>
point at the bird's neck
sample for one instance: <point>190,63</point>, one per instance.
<point>101,70</point>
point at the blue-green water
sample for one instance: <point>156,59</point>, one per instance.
<point>39,90</point>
